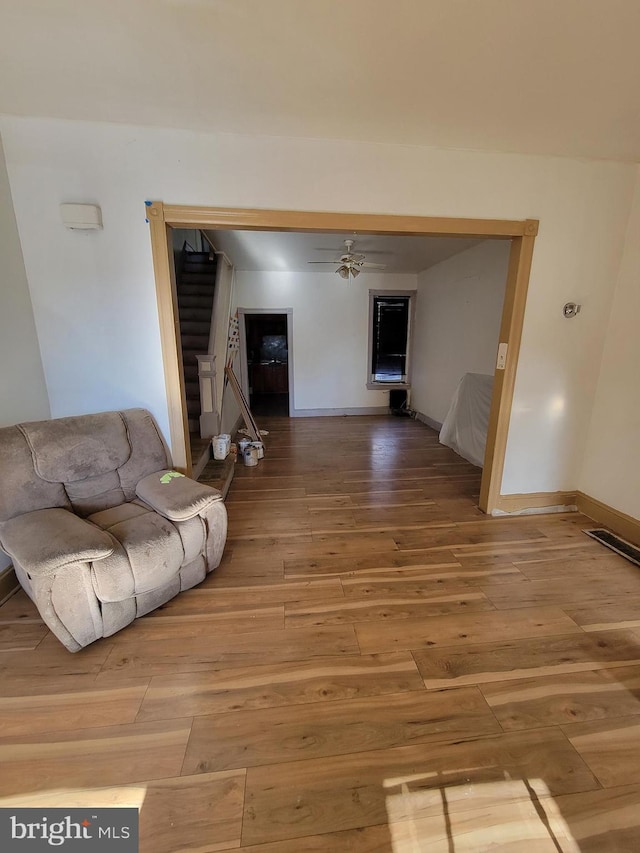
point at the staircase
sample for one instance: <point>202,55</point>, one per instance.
<point>195,281</point>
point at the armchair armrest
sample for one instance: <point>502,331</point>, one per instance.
<point>175,496</point>
<point>47,539</point>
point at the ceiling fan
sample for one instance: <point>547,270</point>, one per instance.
<point>351,264</point>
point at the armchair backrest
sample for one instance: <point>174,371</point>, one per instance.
<point>85,463</point>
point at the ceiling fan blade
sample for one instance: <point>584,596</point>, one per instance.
<point>376,252</point>
<point>373,266</point>
<point>333,263</point>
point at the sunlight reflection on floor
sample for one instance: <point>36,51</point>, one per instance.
<point>426,814</point>
<point>115,797</point>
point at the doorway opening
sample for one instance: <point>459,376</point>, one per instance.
<point>266,355</point>
<point>521,235</point>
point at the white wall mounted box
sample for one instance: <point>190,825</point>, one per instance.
<point>84,217</point>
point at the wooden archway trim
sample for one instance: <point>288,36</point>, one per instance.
<point>521,233</point>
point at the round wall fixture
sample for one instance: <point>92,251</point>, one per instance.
<point>571,309</point>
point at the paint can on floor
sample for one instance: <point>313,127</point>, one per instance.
<point>259,446</point>
<point>243,444</point>
<point>250,456</point>
<point>220,447</point>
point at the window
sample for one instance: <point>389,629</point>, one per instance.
<point>390,314</point>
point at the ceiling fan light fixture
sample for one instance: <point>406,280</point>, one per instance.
<point>350,265</point>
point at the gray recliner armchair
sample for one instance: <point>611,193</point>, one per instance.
<point>99,529</point>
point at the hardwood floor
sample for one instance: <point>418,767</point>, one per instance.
<point>375,666</point>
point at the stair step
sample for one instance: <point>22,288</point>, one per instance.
<point>196,266</point>
<point>189,360</point>
<point>192,390</point>
<point>196,256</point>
<point>190,370</point>
<point>188,301</point>
<point>219,474</point>
<point>196,290</point>
<point>194,327</point>
<point>197,343</point>
<point>201,315</point>
<point>201,269</point>
<point>208,278</point>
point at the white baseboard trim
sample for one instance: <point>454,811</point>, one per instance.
<point>336,413</point>
<point>425,419</point>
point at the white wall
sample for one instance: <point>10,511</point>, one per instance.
<point>93,293</point>
<point>458,312</point>
<point>611,470</point>
<point>330,331</point>
<point>23,395</point>
<point>94,299</point>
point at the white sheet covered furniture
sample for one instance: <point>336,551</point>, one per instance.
<point>465,426</point>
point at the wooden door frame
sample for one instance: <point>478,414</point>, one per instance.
<point>521,233</point>
<point>244,369</point>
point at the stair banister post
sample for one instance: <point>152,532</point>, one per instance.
<point>207,379</point>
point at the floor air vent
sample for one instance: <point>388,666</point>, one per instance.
<point>625,549</point>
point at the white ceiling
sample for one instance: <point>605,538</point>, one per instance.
<point>292,251</point>
<point>543,76</point>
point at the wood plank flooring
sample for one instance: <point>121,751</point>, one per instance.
<point>375,666</point>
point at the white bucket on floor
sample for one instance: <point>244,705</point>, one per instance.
<point>220,446</point>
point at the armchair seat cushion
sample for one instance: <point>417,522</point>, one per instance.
<point>47,539</point>
<point>147,552</point>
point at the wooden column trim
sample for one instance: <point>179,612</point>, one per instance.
<point>182,216</point>
<point>511,324</point>
<point>167,300</point>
